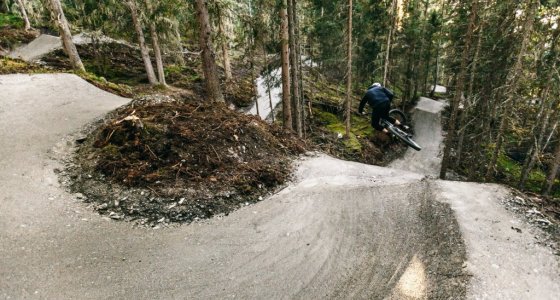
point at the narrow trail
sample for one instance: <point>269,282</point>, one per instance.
<point>265,103</point>
<point>341,230</point>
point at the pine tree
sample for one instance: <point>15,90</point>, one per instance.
<point>349,71</point>
<point>286,90</point>
<point>208,55</point>
<point>132,6</point>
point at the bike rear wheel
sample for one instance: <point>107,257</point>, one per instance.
<point>397,114</point>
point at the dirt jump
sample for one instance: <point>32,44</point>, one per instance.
<point>340,230</point>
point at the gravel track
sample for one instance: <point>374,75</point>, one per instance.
<point>341,230</point>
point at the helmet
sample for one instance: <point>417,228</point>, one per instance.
<point>375,85</point>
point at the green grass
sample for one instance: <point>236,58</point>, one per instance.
<point>360,128</point>
<point>11,20</point>
<point>182,73</point>
<point>101,82</point>
<point>14,66</point>
<point>511,171</point>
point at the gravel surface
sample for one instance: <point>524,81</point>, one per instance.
<point>341,230</point>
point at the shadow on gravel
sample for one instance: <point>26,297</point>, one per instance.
<point>444,250</point>
<point>413,248</point>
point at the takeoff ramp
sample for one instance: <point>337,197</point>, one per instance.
<point>427,124</point>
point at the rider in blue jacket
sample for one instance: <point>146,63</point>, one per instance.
<point>379,99</point>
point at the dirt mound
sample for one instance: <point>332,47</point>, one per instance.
<point>180,161</point>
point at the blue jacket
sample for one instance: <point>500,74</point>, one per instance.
<point>375,96</point>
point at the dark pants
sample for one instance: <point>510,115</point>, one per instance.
<point>381,111</point>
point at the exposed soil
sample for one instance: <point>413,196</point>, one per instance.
<point>175,162</point>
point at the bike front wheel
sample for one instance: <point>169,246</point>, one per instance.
<point>404,137</point>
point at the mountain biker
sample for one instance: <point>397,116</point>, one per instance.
<point>379,99</point>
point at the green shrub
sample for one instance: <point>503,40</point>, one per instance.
<point>11,20</point>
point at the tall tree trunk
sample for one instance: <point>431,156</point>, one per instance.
<point>443,6</point>
<point>547,188</point>
<point>157,52</point>
<point>296,107</point>
<point>300,69</point>
<point>388,46</point>
<point>179,57</point>
<point>4,7</point>
<point>142,42</point>
<point>470,94</point>
<point>225,47</point>
<point>511,82</point>
<point>284,37</point>
<point>21,4</point>
<point>349,71</point>
<point>155,45</point>
<point>458,92</point>
<point>267,79</point>
<point>536,148</point>
<point>423,79</point>
<point>208,57</point>
<point>552,131</point>
<point>64,29</point>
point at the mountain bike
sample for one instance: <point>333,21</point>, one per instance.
<point>397,132</point>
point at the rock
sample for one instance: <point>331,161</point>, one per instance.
<point>519,200</point>
<point>516,229</point>
<point>113,215</point>
<point>543,222</point>
<point>181,201</point>
<point>534,212</point>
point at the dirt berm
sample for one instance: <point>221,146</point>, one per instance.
<point>341,230</point>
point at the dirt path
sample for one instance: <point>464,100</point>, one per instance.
<point>342,230</point>
<point>263,100</point>
<point>45,44</point>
